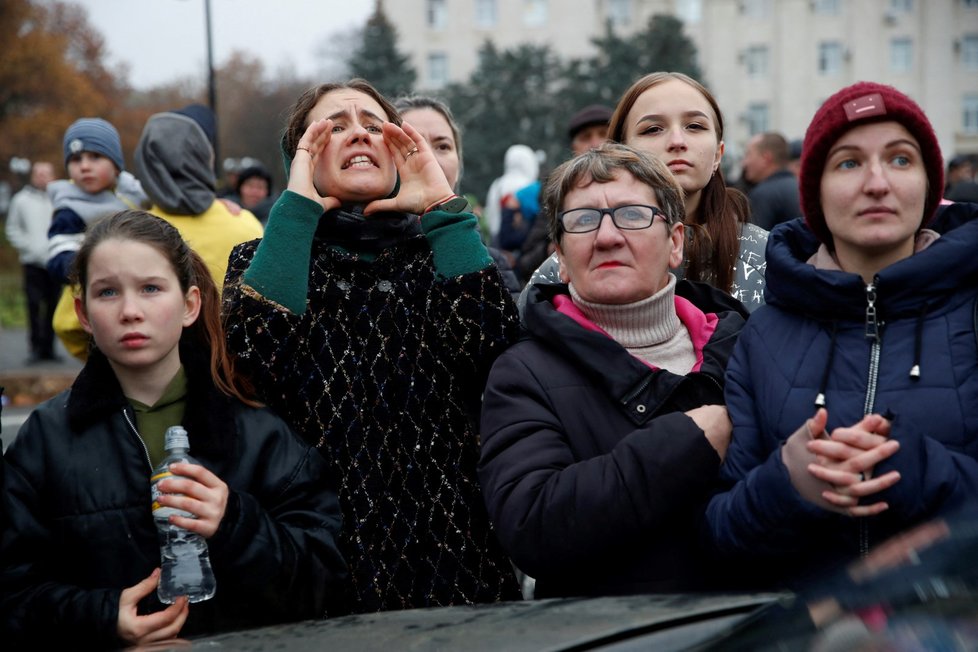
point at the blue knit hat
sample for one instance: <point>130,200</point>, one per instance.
<point>94,135</point>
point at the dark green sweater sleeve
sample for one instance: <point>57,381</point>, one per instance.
<point>280,269</point>
<point>455,243</point>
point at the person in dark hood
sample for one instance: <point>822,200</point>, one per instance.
<point>853,392</point>
<point>368,316</point>
<point>603,431</point>
<point>175,162</point>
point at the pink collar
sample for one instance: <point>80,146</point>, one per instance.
<point>700,325</point>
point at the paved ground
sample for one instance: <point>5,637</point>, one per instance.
<point>26,384</point>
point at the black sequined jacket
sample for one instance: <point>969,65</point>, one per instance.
<point>383,372</point>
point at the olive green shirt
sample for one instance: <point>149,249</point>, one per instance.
<point>153,420</point>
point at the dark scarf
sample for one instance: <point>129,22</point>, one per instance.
<point>351,230</point>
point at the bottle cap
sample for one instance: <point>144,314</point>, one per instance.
<point>176,437</point>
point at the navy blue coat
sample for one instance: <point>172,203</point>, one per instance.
<point>811,338</point>
<point>594,478</point>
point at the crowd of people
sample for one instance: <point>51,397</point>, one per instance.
<point>623,376</point>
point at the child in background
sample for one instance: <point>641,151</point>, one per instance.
<point>175,162</point>
<point>97,186</point>
<point>79,559</point>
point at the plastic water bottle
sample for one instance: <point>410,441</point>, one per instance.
<point>185,560</point>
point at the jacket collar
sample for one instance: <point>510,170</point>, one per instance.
<point>925,278</point>
<point>96,395</point>
<point>627,379</point>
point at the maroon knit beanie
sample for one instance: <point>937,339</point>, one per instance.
<point>855,105</point>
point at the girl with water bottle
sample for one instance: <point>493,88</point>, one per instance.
<point>79,562</point>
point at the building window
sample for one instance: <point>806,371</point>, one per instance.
<point>901,55</point>
<point>755,8</point>
<point>534,13</point>
<point>437,14</point>
<point>901,6</point>
<point>485,13</point>
<point>691,11</point>
<point>827,7</point>
<point>830,58</point>
<point>437,69</point>
<point>969,52</point>
<point>755,61</point>
<point>620,12</point>
<point>758,118</point>
<point>969,112</point>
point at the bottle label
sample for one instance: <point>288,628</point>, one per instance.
<point>163,512</point>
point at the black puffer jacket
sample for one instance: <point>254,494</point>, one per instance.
<point>81,528</point>
<point>593,476</point>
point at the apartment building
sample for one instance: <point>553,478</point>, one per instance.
<point>770,63</point>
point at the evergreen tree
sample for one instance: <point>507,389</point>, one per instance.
<point>378,60</point>
<point>510,98</point>
<point>619,61</point>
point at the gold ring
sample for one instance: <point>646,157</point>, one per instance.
<point>304,149</point>
<point>413,151</point>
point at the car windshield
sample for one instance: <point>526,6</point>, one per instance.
<point>917,591</point>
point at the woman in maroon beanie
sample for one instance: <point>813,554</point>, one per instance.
<point>854,392</point>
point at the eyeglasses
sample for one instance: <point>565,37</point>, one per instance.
<point>630,217</point>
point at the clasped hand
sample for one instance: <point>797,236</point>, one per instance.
<point>422,181</point>
<point>840,464</point>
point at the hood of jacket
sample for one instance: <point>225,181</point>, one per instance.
<point>521,161</point>
<point>628,379</point>
<point>920,282</point>
<point>520,168</point>
<point>175,162</point>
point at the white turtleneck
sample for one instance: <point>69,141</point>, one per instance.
<point>649,329</point>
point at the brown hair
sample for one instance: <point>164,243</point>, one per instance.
<point>416,102</point>
<point>599,166</point>
<point>299,114</point>
<point>714,238</point>
<point>207,332</point>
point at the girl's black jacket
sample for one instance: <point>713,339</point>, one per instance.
<point>77,496</point>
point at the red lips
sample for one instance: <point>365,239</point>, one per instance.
<point>134,339</point>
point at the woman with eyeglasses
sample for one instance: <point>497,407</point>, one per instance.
<point>602,433</point>
<point>677,119</point>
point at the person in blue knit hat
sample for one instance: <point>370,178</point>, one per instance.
<point>97,186</point>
